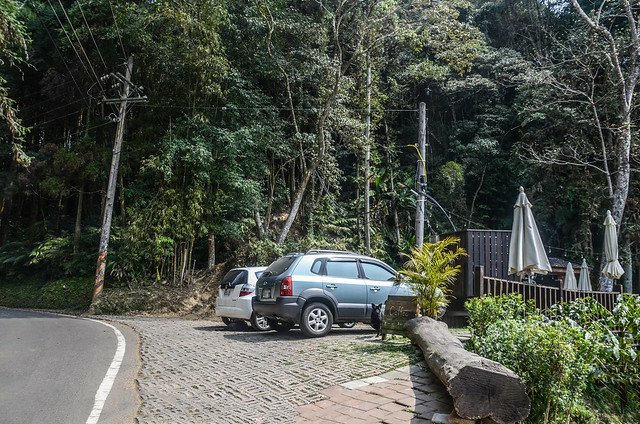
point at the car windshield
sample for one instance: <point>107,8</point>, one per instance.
<point>280,266</point>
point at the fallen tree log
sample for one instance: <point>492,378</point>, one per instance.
<point>480,388</point>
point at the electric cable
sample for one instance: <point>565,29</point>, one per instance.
<point>59,52</point>
<point>115,21</point>
<point>80,44</point>
<point>92,37</point>
<point>69,38</point>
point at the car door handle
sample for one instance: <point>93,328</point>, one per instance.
<point>332,286</point>
<point>374,289</point>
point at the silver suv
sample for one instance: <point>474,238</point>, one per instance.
<point>322,287</point>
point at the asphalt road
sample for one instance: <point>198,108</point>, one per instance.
<point>51,368</point>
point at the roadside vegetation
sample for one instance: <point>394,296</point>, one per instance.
<point>253,142</point>
<point>579,361</point>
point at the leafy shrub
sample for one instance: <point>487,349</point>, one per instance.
<point>50,258</point>
<point>574,359</point>
<point>484,311</point>
<point>545,356</point>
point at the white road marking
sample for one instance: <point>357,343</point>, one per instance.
<point>109,378</point>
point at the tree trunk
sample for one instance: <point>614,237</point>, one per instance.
<point>259,227</point>
<point>77,233</point>
<point>480,388</point>
<point>297,200</point>
<point>211,262</point>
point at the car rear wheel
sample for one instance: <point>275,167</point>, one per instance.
<point>280,326</point>
<point>347,324</point>
<point>259,323</point>
<point>316,320</point>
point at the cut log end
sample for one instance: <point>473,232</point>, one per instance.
<point>488,391</point>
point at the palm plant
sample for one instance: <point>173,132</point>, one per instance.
<point>431,270</point>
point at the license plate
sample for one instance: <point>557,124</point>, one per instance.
<point>266,293</point>
<point>227,292</point>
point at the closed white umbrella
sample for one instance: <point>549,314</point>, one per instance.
<point>570,282</point>
<point>612,268</point>
<point>526,252</point>
<point>584,282</point>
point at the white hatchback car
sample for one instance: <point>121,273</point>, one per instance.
<point>233,304</point>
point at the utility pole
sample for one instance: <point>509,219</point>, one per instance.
<point>124,86</point>
<point>367,160</point>
<point>420,174</point>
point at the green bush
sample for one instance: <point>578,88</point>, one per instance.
<point>578,360</point>
<point>545,356</point>
<point>484,311</point>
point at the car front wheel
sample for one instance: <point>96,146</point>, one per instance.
<point>259,323</point>
<point>316,320</point>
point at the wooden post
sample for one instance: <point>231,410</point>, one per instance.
<point>478,276</point>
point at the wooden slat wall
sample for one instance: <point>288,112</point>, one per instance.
<point>488,248</point>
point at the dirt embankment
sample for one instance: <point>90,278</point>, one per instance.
<point>193,300</point>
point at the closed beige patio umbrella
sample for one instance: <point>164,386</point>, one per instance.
<point>526,251</point>
<point>570,282</point>
<point>584,282</point>
<point>612,268</point>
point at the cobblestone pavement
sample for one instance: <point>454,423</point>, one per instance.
<point>202,372</point>
<point>411,394</point>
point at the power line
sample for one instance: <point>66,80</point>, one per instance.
<point>55,119</point>
<point>69,38</point>
<point>284,109</point>
<point>50,99</point>
<point>35,94</point>
<point>115,21</point>
<point>59,53</point>
<point>91,33</point>
<point>80,132</point>
<point>80,44</point>
<point>48,111</point>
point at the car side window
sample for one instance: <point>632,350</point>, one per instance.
<point>342,269</point>
<point>376,272</point>
<point>316,267</point>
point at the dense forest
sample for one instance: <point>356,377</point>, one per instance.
<point>275,125</point>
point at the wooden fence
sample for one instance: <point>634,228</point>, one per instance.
<point>487,248</point>
<point>544,296</point>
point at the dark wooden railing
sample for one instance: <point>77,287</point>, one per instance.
<point>544,296</point>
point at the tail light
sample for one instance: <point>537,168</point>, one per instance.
<point>286,286</point>
<point>246,290</point>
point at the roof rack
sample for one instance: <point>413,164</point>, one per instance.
<point>342,252</point>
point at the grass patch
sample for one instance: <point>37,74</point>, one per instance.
<point>65,293</point>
